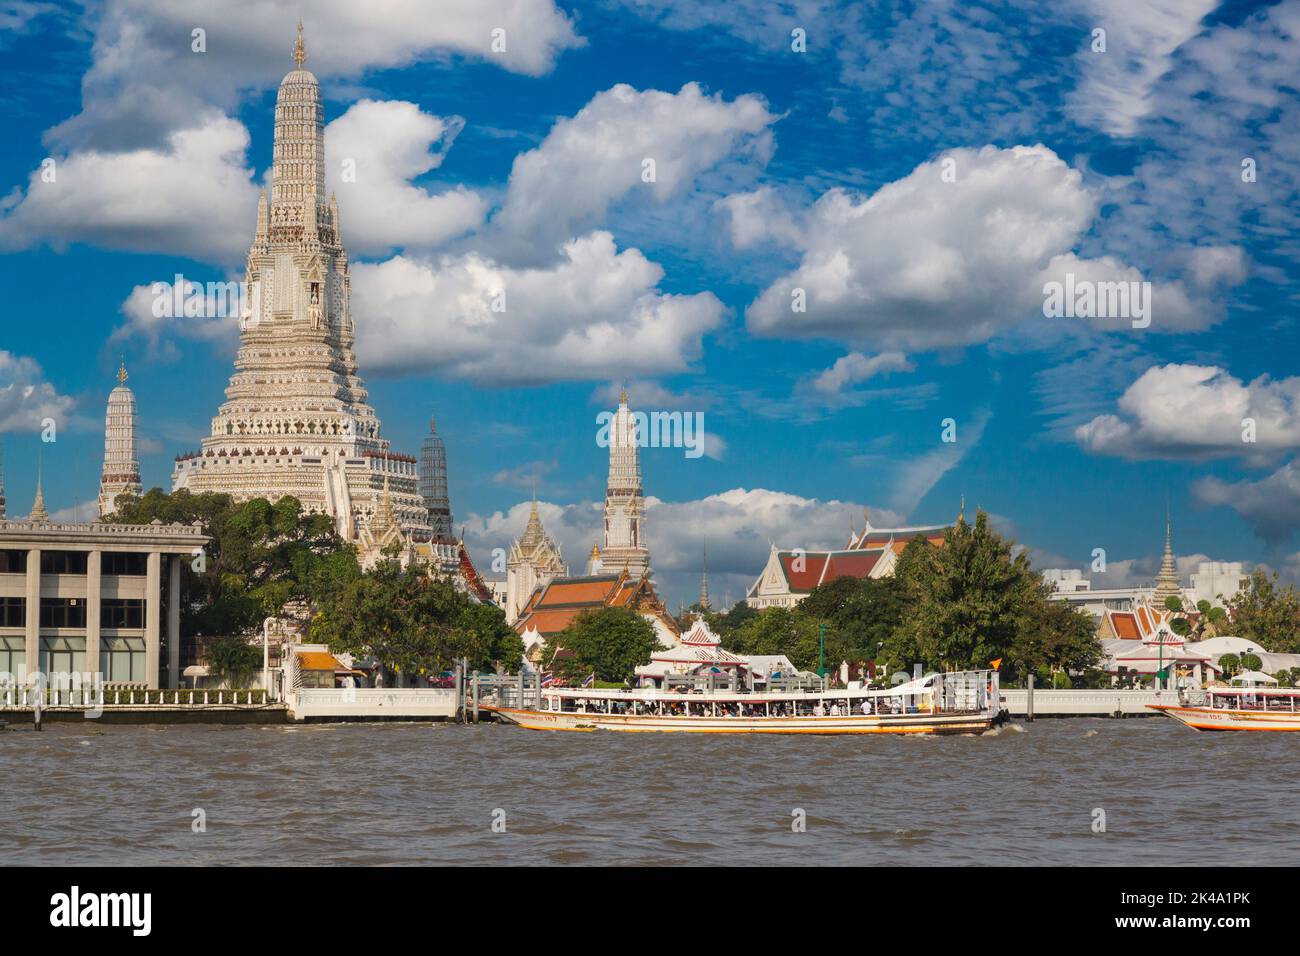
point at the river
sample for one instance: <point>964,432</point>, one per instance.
<point>83,793</point>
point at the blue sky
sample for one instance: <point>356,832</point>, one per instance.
<point>776,169</point>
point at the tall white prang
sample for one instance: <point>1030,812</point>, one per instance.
<point>625,543</point>
<point>296,420</point>
<point>121,474</point>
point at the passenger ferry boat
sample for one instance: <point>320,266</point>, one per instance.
<point>1237,708</point>
<point>964,702</point>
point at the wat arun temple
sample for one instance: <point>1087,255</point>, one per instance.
<point>296,420</point>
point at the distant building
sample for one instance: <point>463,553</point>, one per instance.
<point>624,541</point>
<point>698,652</point>
<point>790,575</point>
<point>433,484</point>
<point>1067,580</point>
<point>87,598</point>
<point>1270,662</point>
<point>1214,581</point>
<point>534,561</point>
<point>1217,582</point>
<point>121,475</point>
<point>553,607</point>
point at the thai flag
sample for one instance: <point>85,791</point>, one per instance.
<point>590,680</point>
<point>548,680</point>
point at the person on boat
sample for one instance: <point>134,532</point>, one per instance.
<point>866,706</point>
<point>819,710</point>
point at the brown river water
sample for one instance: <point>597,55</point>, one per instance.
<point>85,794</point>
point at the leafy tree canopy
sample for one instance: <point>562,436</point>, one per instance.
<point>1267,613</point>
<point>413,622</point>
<point>611,642</point>
<point>261,556</point>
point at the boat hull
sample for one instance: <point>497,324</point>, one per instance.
<point>1206,718</point>
<point>887,724</point>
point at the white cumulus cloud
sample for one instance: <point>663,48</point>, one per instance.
<point>588,161</point>
<point>1198,412</point>
<point>598,309</point>
<point>928,263</point>
<point>855,367</point>
<point>26,398</point>
<point>193,197</point>
<point>385,144</point>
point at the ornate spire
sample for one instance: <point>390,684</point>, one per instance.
<point>624,504</point>
<point>383,520</point>
<point>1167,583</point>
<point>38,506</point>
<point>2,485</point>
<point>299,52</point>
<point>961,515</point>
<point>121,472</point>
<point>704,579</point>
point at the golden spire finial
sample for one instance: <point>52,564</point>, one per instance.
<point>622,395</point>
<point>121,374</point>
<point>961,515</point>
<point>299,54</point>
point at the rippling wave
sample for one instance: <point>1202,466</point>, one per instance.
<point>391,794</point>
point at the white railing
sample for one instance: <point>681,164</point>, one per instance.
<point>1085,703</point>
<point>25,697</point>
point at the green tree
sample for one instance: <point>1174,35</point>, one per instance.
<point>1249,662</point>
<point>414,622</point>
<point>863,614</point>
<point>782,630</point>
<point>233,660</point>
<point>726,624</point>
<point>1210,620</point>
<point>261,556</point>
<point>1056,635</point>
<point>610,642</point>
<point>977,599</point>
<point>1267,613</point>
<point>1230,664</point>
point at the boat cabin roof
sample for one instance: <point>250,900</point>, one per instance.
<point>919,686</point>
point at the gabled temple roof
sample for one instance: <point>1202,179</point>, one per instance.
<point>804,570</point>
<point>552,608</point>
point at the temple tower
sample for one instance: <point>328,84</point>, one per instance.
<point>296,420</point>
<point>433,484</point>
<point>624,544</point>
<point>534,561</point>
<point>121,475</point>
<point>1167,583</point>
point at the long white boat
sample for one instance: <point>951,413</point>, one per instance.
<point>1237,708</point>
<point>964,702</point>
